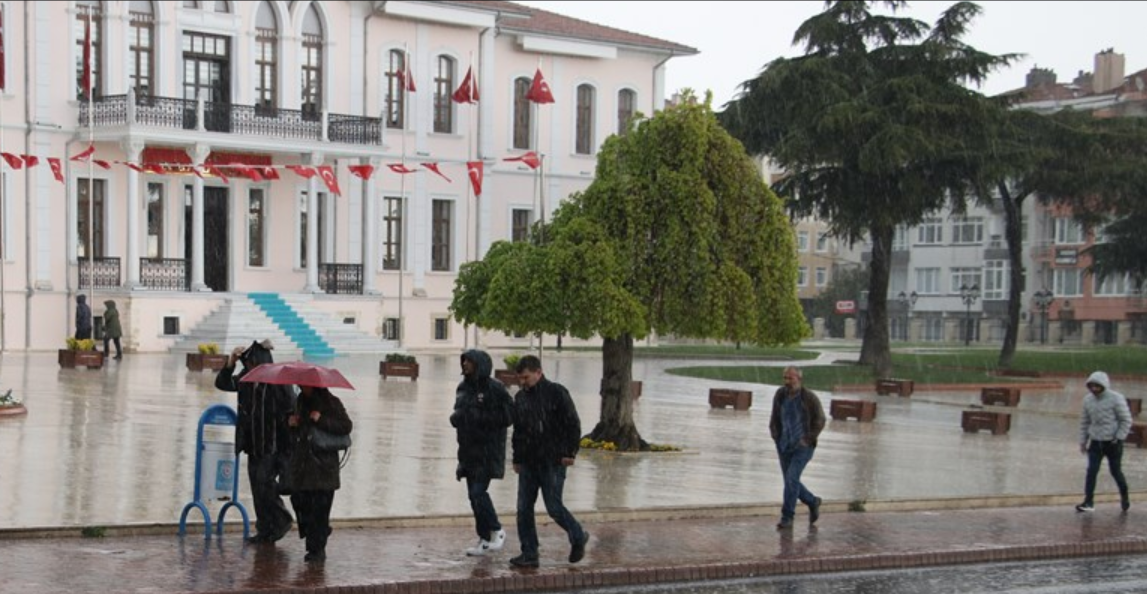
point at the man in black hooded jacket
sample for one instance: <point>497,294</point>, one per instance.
<point>261,432</point>
<point>482,412</point>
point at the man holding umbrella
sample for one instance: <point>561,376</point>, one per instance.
<point>261,432</point>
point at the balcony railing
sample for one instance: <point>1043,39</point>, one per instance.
<point>228,118</point>
<point>164,274</point>
<point>341,279</point>
<point>105,271</point>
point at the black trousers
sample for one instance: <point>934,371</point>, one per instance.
<point>313,512</point>
<point>118,350</point>
<point>271,515</point>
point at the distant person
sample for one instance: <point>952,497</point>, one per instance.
<point>547,437</point>
<point>83,318</point>
<point>482,412</point>
<point>314,474</point>
<point>112,329</point>
<point>796,422</point>
<point>1103,426</point>
<point>261,432</point>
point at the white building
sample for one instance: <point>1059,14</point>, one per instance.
<point>186,85</point>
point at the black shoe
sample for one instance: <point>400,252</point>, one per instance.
<point>1085,507</point>
<point>785,524</point>
<point>577,551</point>
<point>315,557</point>
<point>814,511</point>
<point>524,560</point>
<point>258,538</point>
<point>279,534</point>
<point>1125,504</point>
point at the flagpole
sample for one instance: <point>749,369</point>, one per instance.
<point>537,180</point>
<point>402,192</point>
<point>469,187</point>
<point>91,164</point>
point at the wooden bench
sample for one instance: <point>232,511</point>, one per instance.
<point>1000,395</point>
<point>1136,406</point>
<point>395,369</point>
<point>508,377</point>
<point>900,387</point>
<point>997,422</point>
<point>738,399</point>
<point>863,410</point>
<point>1138,435</point>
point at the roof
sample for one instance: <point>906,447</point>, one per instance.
<point>525,19</point>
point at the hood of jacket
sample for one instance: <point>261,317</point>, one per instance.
<point>109,304</point>
<point>1100,378</point>
<point>483,364</point>
<point>82,299</point>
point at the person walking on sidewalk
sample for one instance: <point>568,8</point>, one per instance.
<point>314,473</point>
<point>547,437</point>
<point>796,422</point>
<point>1104,424</point>
<point>112,329</point>
<point>83,318</point>
<point>482,412</point>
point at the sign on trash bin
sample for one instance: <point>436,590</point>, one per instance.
<point>216,469</point>
<point>217,473</point>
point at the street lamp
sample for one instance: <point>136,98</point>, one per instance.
<point>908,301</point>
<point>968,295</point>
<point>1043,299</point>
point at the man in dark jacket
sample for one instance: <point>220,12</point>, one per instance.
<point>482,412</point>
<point>113,331</point>
<point>547,437</point>
<point>797,421</point>
<point>83,318</point>
<point>263,435</point>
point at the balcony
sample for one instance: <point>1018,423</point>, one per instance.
<point>105,271</point>
<point>341,279</point>
<point>227,118</point>
<point>164,274</point>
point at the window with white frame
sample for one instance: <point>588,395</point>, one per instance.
<point>443,95</point>
<point>964,277</point>
<point>968,230</point>
<point>802,241</point>
<point>1068,282</point>
<point>391,233</point>
<point>520,224</point>
<point>584,141</point>
<point>930,232</point>
<point>1113,285</point>
<point>821,276</point>
<point>822,241</point>
<point>441,230</point>
<point>256,227</point>
<point>523,119</point>
<point>155,221</point>
<point>927,281</point>
<point>1068,231</point>
<point>626,109</point>
<point>802,276</point>
<point>900,238</point>
<point>995,280</point>
<point>441,328</point>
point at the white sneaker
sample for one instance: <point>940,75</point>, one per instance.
<point>498,541</point>
<point>479,549</point>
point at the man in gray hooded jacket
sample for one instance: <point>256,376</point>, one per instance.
<point>1103,426</point>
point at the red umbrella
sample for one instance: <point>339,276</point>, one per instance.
<point>297,373</point>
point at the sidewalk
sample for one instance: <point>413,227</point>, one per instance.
<point>429,560</point>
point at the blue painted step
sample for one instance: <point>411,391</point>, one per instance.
<point>296,328</point>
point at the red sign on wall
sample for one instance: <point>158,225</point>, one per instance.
<point>845,307</point>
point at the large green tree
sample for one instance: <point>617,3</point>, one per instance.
<point>678,235</point>
<point>872,126</point>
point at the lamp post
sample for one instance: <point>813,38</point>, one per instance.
<point>1043,299</point>
<point>908,301</point>
<point>968,295</point>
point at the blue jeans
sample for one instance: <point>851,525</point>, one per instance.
<point>793,462</point>
<point>550,479</point>
<point>1096,452</point>
<point>485,517</point>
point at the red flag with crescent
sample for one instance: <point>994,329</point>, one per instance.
<point>434,167</point>
<point>57,169</point>
<point>531,159</point>
<point>474,170</point>
<point>268,172</point>
<point>85,154</point>
<point>30,161</point>
<point>302,171</point>
<point>467,91</point>
<point>362,171</point>
<point>401,168</point>
<point>540,89</point>
<point>13,161</point>
<point>328,174</point>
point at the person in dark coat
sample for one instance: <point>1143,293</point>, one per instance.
<point>547,437</point>
<point>796,422</point>
<point>83,318</point>
<point>262,434</point>
<point>315,474</point>
<point>482,412</point>
<point>112,328</point>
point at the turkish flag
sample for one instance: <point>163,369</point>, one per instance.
<point>328,174</point>
<point>363,171</point>
<point>474,170</point>
<point>540,89</point>
<point>85,154</point>
<point>57,169</point>
<point>102,164</point>
<point>531,159</point>
<point>268,172</point>
<point>406,77</point>
<point>30,161</point>
<point>400,168</point>
<point>14,161</point>
<point>467,91</point>
<point>302,171</point>
<point>434,167</point>
<point>217,172</point>
<point>246,171</point>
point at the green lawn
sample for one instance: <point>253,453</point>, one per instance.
<point>715,351</point>
<point>825,377</point>
<point>1118,360</point>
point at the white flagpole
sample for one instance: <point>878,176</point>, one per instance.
<point>91,172</point>
<point>470,121</point>
<point>538,192</point>
<point>406,72</point>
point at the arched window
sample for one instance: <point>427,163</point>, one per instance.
<point>266,58</point>
<point>395,98</point>
<point>585,119</point>
<point>523,137</point>
<point>443,90</point>
<point>88,14</point>
<point>312,62</point>
<point>142,48</point>
<point>626,107</point>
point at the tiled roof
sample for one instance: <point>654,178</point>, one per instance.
<point>525,19</point>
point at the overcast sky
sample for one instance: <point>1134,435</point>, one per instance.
<point>737,38</point>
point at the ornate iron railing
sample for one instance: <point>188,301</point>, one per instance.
<point>166,112</point>
<point>272,121</point>
<point>341,279</point>
<point>164,274</point>
<point>109,110</point>
<point>354,129</point>
<point>105,271</point>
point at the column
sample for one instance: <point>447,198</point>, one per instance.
<point>369,233</point>
<point>133,150</point>
<point>1088,333</point>
<point>312,286</point>
<point>198,157</point>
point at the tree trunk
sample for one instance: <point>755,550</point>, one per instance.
<point>1013,206</point>
<point>875,350</point>
<point>616,422</point>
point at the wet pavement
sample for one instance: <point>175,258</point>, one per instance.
<point>116,447</point>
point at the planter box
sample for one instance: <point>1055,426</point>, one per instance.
<point>997,422</point>
<point>1001,396</point>
<point>862,410</point>
<point>738,399</point>
<point>13,411</point>
<point>409,370</point>
<point>900,387</point>
<point>200,361</point>
<point>1136,406</point>
<point>1137,435</point>
<point>508,377</point>
<point>70,359</point>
